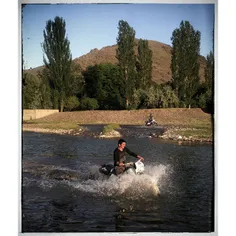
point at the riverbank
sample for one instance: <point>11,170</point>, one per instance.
<point>187,134</point>
<point>178,124</point>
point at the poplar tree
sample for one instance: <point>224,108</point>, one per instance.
<point>184,62</point>
<point>126,58</point>
<point>56,48</point>
<point>144,64</point>
<point>209,81</point>
<point>209,71</point>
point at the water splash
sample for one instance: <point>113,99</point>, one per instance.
<point>86,178</point>
<point>130,186</point>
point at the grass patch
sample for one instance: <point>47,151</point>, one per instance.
<point>201,124</point>
<point>53,125</point>
<point>200,132</point>
<point>198,124</point>
<point>29,122</point>
<point>108,128</point>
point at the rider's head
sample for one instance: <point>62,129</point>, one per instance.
<point>121,143</point>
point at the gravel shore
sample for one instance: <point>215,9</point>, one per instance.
<point>171,133</point>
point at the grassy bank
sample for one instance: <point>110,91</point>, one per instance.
<point>164,117</point>
<point>190,123</point>
<point>50,124</point>
<point>202,134</point>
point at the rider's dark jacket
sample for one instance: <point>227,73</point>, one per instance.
<point>119,156</point>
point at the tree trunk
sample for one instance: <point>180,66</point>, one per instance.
<point>127,103</point>
<point>126,80</point>
<point>61,105</point>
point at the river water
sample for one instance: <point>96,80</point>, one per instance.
<point>63,191</point>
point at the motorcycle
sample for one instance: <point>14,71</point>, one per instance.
<point>135,168</point>
<point>151,123</point>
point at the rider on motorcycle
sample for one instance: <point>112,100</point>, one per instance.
<point>119,156</point>
<point>151,120</point>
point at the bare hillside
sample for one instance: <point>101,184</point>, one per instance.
<point>161,71</point>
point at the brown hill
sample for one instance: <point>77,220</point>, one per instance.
<point>161,71</point>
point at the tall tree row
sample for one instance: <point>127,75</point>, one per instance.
<point>58,58</point>
<point>184,62</point>
<point>209,71</point>
<point>128,85</point>
<point>126,58</point>
<point>209,82</point>
<point>144,65</point>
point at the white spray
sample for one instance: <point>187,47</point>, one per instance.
<point>132,186</point>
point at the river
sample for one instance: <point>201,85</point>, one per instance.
<point>63,191</point>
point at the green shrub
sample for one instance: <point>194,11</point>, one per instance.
<point>108,128</point>
<point>72,103</point>
<point>115,126</point>
<point>89,104</point>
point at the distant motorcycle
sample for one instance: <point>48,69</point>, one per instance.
<point>151,123</point>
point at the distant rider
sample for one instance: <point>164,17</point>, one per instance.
<point>151,118</point>
<point>119,156</point>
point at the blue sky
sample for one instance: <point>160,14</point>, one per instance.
<point>90,26</point>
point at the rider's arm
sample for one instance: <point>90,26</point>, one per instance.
<point>133,154</point>
<point>130,152</point>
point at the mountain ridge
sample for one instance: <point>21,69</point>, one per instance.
<point>161,71</point>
